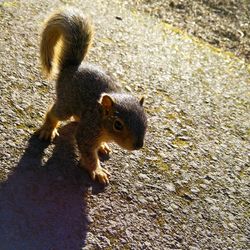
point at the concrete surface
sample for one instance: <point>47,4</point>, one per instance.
<point>187,189</point>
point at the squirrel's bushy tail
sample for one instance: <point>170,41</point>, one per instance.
<point>75,32</point>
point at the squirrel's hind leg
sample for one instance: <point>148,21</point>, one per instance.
<point>48,131</point>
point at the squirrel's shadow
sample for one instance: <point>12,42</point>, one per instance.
<point>43,206</point>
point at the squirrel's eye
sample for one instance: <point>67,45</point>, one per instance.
<point>118,126</point>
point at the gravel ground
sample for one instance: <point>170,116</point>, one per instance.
<point>187,189</point>
<point>222,23</point>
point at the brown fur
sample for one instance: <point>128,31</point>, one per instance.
<point>57,30</point>
<point>88,94</point>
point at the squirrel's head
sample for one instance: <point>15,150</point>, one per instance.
<point>124,120</point>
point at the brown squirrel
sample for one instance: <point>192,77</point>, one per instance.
<point>87,93</point>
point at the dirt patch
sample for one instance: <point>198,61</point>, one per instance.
<point>222,23</point>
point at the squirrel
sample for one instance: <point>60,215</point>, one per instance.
<point>87,93</point>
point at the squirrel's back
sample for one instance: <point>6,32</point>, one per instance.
<point>76,32</point>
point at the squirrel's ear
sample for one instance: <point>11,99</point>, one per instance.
<point>142,101</point>
<point>106,101</point>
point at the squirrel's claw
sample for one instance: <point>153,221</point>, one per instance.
<point>104,149</point>
<point>101,175</point>
<point>46,133</point>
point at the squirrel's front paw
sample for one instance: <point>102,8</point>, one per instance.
<point>47,133</point>
<point>104,149</point>
<point>100,174</point>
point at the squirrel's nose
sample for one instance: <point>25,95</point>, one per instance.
<point>138,144</point>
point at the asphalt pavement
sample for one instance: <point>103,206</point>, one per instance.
<point>188,188</point>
